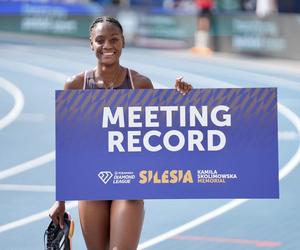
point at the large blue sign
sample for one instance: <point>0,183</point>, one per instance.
<point>159,144</point>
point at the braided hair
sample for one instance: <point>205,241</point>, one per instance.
<point>103,19</point>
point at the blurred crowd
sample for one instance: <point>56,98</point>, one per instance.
<point>261,7</point>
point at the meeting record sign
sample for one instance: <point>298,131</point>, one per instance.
<point>159,144</point>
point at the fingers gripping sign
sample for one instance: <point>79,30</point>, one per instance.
<point>182,86</point>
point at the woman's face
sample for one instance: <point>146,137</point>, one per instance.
<point>107,42</point>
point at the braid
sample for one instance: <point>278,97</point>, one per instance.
<point>103,19</point>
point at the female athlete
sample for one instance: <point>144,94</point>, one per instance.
<point>116,224</point>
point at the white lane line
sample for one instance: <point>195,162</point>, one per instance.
<point>190,77</point>
<point>18,102</point>
<point>233,68</point>
<point>37,162</point>
<point>32,117</point>
<point>34,163</point>
<point>288,136</point>
<point>193,223</point>
<point>27,188</point>
<point>288,168</point>
<point>34,70</point>
<point>32,218</point>
<point>294,161</point>
<point>263,77</point>
<point>292,164</point>
<point>40,72</point>
<point>206,81</point>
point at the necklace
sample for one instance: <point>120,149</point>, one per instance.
<point>110,85</point>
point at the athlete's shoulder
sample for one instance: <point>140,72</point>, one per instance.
<point>75,82</point>
<point>140,81</point>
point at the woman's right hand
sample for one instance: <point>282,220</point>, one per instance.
<point>57,212</point>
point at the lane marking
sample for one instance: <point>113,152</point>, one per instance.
<point>264,77</point>
<point>32,117</point>
<point>288,168</point>
<point>235,65</point>
<point>257,243</point>
<point>34,163</point>
<point>40,72</point>
<point>288,136</point>
<point>27,188</point>
<point>34,70</point>
<point>206,81</point>
<point>294,161</point>
<point>18,102</point>
<point>31,164</point>
<point>33,218</point>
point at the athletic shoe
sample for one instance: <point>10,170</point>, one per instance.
<point>56,238</point>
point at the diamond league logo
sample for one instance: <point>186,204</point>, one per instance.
<point>105,176</point>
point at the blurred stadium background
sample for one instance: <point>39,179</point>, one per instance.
<point>253,43</point>
<point>259,27</point>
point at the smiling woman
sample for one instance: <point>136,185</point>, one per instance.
<point>107,42</point>
<point>113,224</point>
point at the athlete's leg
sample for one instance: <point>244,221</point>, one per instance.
<point>126,221</point>
<point>94,220</point>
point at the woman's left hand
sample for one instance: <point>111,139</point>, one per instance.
<point>182,87</point>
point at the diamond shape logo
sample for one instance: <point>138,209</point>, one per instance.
<point>105,176</point>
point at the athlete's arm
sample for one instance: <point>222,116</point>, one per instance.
<point>141,81</point>
<point>57,212</point>
<point>75,82</point>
